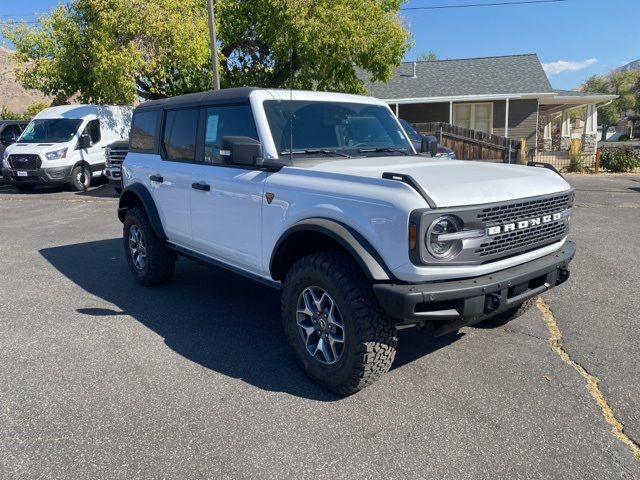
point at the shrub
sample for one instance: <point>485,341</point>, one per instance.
<point>576,164</point>
<point>623,138</point>
<point>620,159</point>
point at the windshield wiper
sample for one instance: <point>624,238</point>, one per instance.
<point>315,151</point>
<point>384,149</point>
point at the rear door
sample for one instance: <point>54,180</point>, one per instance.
<point>162,149</point>
<point>226,200</point>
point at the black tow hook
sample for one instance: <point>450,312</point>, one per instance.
<point>492,302</point>
<point>563,275</point>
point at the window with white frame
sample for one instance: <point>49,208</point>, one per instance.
<point>476,116</point>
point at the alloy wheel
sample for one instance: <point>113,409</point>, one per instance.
<point>137,248</point>
<point>320,325</point>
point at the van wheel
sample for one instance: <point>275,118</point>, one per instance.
<point>333,321</point>
<point>150,262</point>
<point>80,178</point>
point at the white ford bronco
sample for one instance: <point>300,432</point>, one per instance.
<point>323,196</point>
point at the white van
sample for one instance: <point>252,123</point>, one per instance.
<point>65,145</point>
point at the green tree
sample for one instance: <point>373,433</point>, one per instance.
<point>6,114</point>
<point>624,85</point>
<point>430,56</point>
<point>33,109</point>
<point>114,51</point>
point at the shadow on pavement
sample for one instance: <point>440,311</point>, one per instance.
<point>99,190</point>
<point>212,317</point>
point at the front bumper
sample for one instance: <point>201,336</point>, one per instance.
<point>114,175</point>
<point>40,176</point>
<point>465,302</point>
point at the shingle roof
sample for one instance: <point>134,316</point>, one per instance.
<point>472,76</point>
<point>574,93</point>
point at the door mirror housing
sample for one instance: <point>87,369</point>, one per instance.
<point>84,141</point>
<point>241,151</point>
<point>429,145</point>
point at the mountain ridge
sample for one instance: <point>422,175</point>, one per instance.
<point>13,96</point>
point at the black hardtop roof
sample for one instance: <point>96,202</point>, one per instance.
<point>210,97</point>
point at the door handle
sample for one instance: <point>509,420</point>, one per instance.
<point>201,186</point>
<point>156,178</point>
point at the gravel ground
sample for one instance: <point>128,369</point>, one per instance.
<point>102,378</point>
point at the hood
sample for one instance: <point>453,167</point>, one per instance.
<point>453,183</point>
<point>119,145</point>
<point>37,148</point>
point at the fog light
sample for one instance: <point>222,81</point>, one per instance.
<point>55,173</point>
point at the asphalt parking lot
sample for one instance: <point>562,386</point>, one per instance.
<point>102,378</point>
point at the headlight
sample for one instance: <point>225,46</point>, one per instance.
<point>438,245</point>
<point>56,154</point>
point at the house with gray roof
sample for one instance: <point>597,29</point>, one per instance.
<point>508,96</point>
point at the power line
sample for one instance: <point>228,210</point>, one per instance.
<point>494,4</point>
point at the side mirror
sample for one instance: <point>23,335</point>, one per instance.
<point>85,141</point>
<point>241,151</point>
<point>429,145</point>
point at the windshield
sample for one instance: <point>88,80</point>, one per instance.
<point>411,132</point>
<point>339,129</point>
<point>58,130</point>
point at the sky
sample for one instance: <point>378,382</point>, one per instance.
<point>574,39</point>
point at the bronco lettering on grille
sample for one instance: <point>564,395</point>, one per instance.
<point>509,227</point>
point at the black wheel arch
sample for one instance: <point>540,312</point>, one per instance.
<point>137,194</point>
<point>317,234</point>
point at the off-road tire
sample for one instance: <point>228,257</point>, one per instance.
<point>160,261</point>
<point>515,312</point>
<point>370,335</point>
<point>24,188</point>
<point>76,183</point>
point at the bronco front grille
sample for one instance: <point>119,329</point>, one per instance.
<point>523,210</point>
<point>523,240</point>
<point>519,241</point>
<point>24,162</point>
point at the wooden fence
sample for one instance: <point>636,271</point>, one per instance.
<point>471,144</point>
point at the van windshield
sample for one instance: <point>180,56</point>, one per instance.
<point>310,128</point>
<point>57,130</point>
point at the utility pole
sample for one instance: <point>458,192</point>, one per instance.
<point>214,47</point>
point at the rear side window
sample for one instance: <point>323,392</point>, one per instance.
<point>143,131</point>
<point>180,131</point>
<point>232,120</point>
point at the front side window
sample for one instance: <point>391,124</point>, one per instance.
<point>93,130</point>
<point>143,131</point>
<point>180,131</point>
<point>57,130</point>
<point>10,133</point>
<point>352,129</point>
<point>232,120</point>
<point>411,132</point>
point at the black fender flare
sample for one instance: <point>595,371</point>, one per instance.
<point>137,194</point>
<point>353,242</point>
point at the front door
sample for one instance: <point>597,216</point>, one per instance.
<point>94,155</point>
<point>226,201</point>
